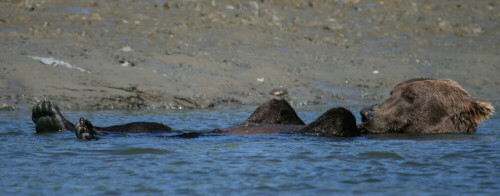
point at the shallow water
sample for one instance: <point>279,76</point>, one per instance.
<point>240,164</point>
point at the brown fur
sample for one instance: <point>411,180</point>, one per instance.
<point>275,111</point>
<point>258,129</point>
<point>425,105</point>
<point>338,122</point>
<point>48,119</point>
<point>277,116</point>
<point>137,127</point>
<point>274,116</point>
<point>85,130</point>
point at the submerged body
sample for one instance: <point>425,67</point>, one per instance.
<point>258,129</point>
<point>272,117</point>
<point>48,119</point>
<point>277,116</point>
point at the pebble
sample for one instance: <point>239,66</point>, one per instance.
<point>278,92</point>
<point>7,107</point>
<point>125,64</point>
<point>127,49</point>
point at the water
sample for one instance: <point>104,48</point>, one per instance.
<point>274,164</point>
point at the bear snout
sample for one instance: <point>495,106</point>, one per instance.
<point>367,114</point>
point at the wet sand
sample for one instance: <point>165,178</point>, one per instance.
<point>94,55</point>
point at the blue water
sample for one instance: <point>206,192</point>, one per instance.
<point>274,164</point>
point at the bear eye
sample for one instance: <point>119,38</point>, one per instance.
<point>409,97</point>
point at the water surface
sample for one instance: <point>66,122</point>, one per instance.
<point>269,164</point>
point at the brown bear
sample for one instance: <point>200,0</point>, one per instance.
<point>425,105</point>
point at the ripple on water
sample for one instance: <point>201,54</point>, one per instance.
<point>416,164</point>
<point>380,155</point>
<point>138,151</point>
<point>455,155</point>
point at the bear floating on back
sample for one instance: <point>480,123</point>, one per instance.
<point>421,105</point>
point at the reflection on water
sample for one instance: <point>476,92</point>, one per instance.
<point>243,164</point>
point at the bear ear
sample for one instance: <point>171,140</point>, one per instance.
<point>480,111</point>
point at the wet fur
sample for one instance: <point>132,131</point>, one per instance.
<point>277,116</point>
<point>338,122</point>
<point>86,131</point>
<point>272,117</point>
<point>275,111</point>
<point>425,105</point>
<point>48,119</point>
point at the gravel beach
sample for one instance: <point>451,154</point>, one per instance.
<point>182,54</point>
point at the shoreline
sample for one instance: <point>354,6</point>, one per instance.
<point>93,55</point>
